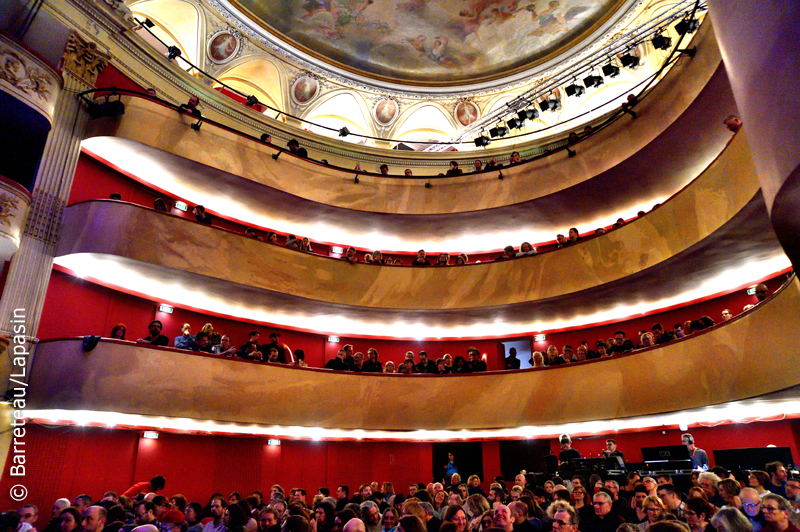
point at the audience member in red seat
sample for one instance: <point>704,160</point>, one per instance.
<point>294,147</point>
<point>561,240</point>
<point>306,245</point>
<point>217,508</point>
<point>407,367</point>
<point>250,351</point>
<point>384,169</point>
<point>389,367</point>
<point>478,165</point>
<point>751,506</point>
<point>201,215</point>
<point>602,349</point>
<point>573,235</point>
<point>603,519</point>
<point>191,106</point>
<point>426,365</point>
<point>224,347</point>
<point>462,259</point>
<point>93,519</point>
<point>420,260</point>
<point>619,340</point>
<point>358,362</point>
<point>658,334</point>
<point>502,518</point>
<point>646,340</point>
<point>726,315</point>
<point>171,521</point>
<point>272,356</point>
<point>475,364</point>
<point>581,353</point>
<point>678,329</point>
<point>761,292</point>
<point>201,343</point>
<point>350,255</point>
<point>441,368</point>
<point>454,169</point>
<point>250,233</point>
<point>372,365</point>
<point>155,338</point>
<point>338,362</point>
<point>508,254</point>
<point>515,158</point>
<point>698,512</point>
<point>525,250</point>
<point>442,260</point>
<point>292,242</point>
<point>118,332</point>
<point>272,237</point>
<point>537,360</point>
<point>186,338</point>
<point>377,257</point>
<point>512,362</point>
<point>160,205</point>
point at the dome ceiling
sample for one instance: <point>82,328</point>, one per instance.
<point>431,42</point>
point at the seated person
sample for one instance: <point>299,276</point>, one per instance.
<point>201,215</point>
<point>186,338</point>
<point>350,255</point>
<point>492,164</point>
<point>294,147</point>
<point>462,259</point>
<point>454,169</point>
<point>573,235</point>
<point>478,164</point>
<point>224,347</point>
<point>515,158</point>
<point>525,250</point>
<point>368,258</point>
<point>300,359</point>
<point>420,260</point>
<point>190,107</point>
<point>408,172</point>
<point>160,205</point>
<point>201,343</point>
<point>384,169</point>
<point>155,338</point>
<point>272,237</point>
<point>475,364</point>
<point>272,356</point>
<point>562,240</point>
<point>292,242</point>
<point>337,363</point>
<point>250,351</point>
<point>377,257</point>
<point>305,245</point>
<point>443,259</point>
<point>252,234</point>
<point>508,253</point>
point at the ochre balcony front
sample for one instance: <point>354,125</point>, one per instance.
<point>711,367</point>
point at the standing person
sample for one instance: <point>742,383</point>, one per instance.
<point>450,468</point>
<point>698,456</point>
<point>567,452</point>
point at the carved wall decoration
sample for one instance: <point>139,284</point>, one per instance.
<point>28,78</point>
<point>223,46</point>
<point>83,58</point>
<point>304,89</point>
<point>466,112</point>
<point>386,111</point>
<point>14,206</point>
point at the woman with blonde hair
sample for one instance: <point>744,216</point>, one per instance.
<point>214,337</point>
<point>655,511</point>
<point>388,367</point>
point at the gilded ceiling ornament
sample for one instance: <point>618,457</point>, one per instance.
<point>223,46</point>
<point>386,111</point>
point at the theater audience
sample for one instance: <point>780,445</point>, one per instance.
<point>155,338</point>
<point>294,148</point>
<point>454,169</point>
<point>160,205</point>
<point>201,215</point>
<point>186,339</point>
<point>420,260</point>
<point>224,347</point>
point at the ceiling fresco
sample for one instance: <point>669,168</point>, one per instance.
<point>440,42</point>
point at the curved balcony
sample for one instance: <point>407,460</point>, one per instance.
<point>123,141</point>
<point>117,230</point>
<point>717,361</point>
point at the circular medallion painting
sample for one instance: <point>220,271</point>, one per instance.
<point>222,47</point>
<point>304,89</point>
<point>386,112</point>
<point>467,112</point>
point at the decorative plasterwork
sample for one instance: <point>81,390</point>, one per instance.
<point>26,77</point>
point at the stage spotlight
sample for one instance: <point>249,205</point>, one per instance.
<point>251,101</point>
<point>514,123</point>
<point>498,131</point>
<point>550,104</point>
<point>173,52</point>
<point>148,23</point>
<point>571,153</point>
<point>197,125</point>
<point>529,114</point>
<point>574,90</point>
<point>110,109</point>
<point>610,70</point>
<point>662,42</point>
<point>687,25</point>
<point>344,132</point>
<point>482,141</point>
<point>593,81</point>
<point>629,60</point>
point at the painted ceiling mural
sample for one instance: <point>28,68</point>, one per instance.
<point>431,41</point>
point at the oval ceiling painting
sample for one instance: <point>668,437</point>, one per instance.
<point>467,112</point>
<point>304,89</point>
<point>222,47</point>
<point>386,111</point>
<point>432,42</point>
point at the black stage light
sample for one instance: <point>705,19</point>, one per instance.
<point>549,104</point>
<point>610,71</point>
<point>344,132</point>
<point>530,114</point>
<point>514,123</point>
<point>498,131</point>
<point>575,90</point>
<point>482,141</point>
<point>593,81</point>
<point>629,60</point>
<point>687,25</point>
<point>662,42</point>
<point>173,52</point>
<point>571,153</point>
<point>251,101</point>
<point>428,184</point>
<point>148,23</point>
<point>356,179</point>
<point>110,109</point>
<point>196,126</point>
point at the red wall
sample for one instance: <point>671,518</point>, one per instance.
<point>68,461</point>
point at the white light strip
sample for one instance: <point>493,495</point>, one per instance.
<point>109,271</point>
<point>735,412</point>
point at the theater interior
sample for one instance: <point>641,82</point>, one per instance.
<point>664,133</point>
